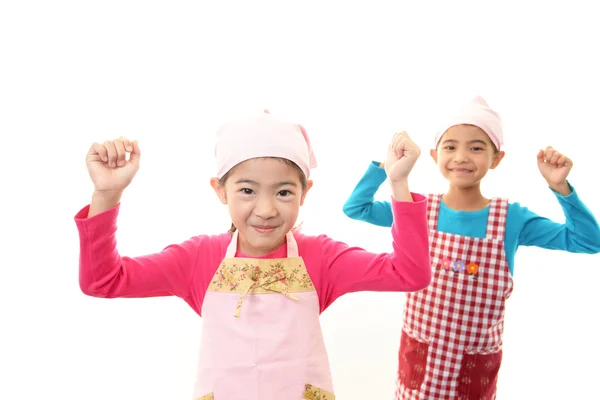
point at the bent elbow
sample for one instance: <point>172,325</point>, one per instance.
<point>350,211</point>
<point>89,291</point>
<point>423,282</point>
<point>594,249</point>
<point>595,245</point>
<point>89,288</point>
<point>589,244</point>
<point>423,279</point>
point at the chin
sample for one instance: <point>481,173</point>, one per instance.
<point>464,185</point>
<point>267,244</point>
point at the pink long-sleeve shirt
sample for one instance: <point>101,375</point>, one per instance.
<point>186,269</point>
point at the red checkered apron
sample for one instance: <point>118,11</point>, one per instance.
<point>451,345</point>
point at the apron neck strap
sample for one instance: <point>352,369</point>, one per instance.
<point>292,246</point>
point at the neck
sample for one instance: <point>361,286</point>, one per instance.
<point>465,199</point>
<point>244,247</point>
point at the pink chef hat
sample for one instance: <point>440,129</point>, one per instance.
<point>264,136</point>
<point>477,113</point>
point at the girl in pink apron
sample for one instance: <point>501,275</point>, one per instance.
<point>451,343</point>
<point>261,287</point>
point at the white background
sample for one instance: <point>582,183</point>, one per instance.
<point>169,73</point>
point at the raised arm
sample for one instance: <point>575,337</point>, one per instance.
<point>580,233</point>
<point>361,204</point>
<point>103,272</point>
<point>407,268</point>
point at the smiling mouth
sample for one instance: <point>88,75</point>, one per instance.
<point>264,230</point>
<point>461,170</point>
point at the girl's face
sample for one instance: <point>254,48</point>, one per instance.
<point>264,196</point>
<point>464,155</point>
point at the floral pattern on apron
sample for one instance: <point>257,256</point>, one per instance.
<point>261,332</point>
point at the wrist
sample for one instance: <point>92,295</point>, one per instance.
<point>104,201</point>
<point>401,191</point>
<point>562,188</point>
<point>106,195</point>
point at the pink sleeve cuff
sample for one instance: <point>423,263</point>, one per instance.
<point>419,204</point>
<point>100,223</point>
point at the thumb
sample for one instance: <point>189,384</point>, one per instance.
<point>540,157</point>
<point>135,155</point>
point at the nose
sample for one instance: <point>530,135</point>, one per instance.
<point>461,156</point>
<point>265,207</point>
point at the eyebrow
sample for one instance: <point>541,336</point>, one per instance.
<point>282,183</point>
<point>470,141</point>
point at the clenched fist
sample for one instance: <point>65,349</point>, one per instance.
<point>109,167</point>
<point>402,156</point>
<point>555,168</point>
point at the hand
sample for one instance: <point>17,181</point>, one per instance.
<point>402,156</point>
<point>555,168</point>
<point>108,166</point>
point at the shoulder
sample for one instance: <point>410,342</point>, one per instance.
<point>310,240</point>
<point>512,208</point>
<point>208,244</point>
<point>516,208</point>
<point>518,215</point>
<point>320,245</point>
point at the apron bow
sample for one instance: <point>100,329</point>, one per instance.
<point>267,283</point>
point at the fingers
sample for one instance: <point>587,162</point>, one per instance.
<point>553,157</point>
<point>399,134</point>
<point>111,152</point>
<point>549,152</point>
<point>134,157</point>
<point>402,142</point>
<point>540,156</point>
<point>121,153</point>
<point>100,150</point>
<point>114,152</point>
<point>398,138</point>
<point>127,143</point>
<point>396,142</point>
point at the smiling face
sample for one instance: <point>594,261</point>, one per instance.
<point>264,196</point>
<point>464,155</point>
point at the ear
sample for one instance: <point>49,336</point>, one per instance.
<point>309,184</point>
<point>497,158</point>
<point>219,190</point>
<point>433,154</point>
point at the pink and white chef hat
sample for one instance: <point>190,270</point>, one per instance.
<point>263,136</point>
<point>479,114</point>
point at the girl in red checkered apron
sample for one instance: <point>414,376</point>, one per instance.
<point>451,343</point>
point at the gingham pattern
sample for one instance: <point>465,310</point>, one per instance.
<point>458,313</point>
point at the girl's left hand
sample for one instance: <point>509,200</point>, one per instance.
<point>554,167</point>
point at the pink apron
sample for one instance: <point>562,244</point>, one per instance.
<point>451,345</point>
<point>261,333</point>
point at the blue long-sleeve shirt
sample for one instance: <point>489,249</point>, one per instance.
<point>579,234</point>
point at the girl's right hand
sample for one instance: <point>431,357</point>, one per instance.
<point>108,166</point>
<point>402,156</point>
